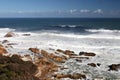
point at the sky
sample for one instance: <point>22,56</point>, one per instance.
<point>60,8</point>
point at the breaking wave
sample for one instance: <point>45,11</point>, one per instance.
<point>102,31</point>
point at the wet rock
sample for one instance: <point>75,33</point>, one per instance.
<point>12,44</point>
<point>70,53</point>
<point>114,67</point>
<point>34,50</point>
<point>67,52</point>
<point>2,50</point>
<point>9,34</point>
<point>92,64</point>
<point>71,76</point>
<point>78,60</point>
<point>5,41</point>
<point>98,64</point>
<point>87,53</point>
<point>59,50</point>
<point>79,57</point>
<point>26,34</point>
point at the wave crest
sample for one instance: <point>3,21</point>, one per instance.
<point>102,31</point>
<point>6,29</point>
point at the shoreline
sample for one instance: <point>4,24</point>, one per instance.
<point>65,64</point>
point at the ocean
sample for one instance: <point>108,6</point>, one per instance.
<point>79,34</point>
<point>98,35</point>
<point>72,25</point>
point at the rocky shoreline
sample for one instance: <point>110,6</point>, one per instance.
<point>52,64</point>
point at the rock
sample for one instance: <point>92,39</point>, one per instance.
<point>67,52</point>
<point>87,53</point>
<point>114,67</point>
<point>26,34</point>
<point>70,53</point>
<point>35,50</point>
<point>2,50</point>
<point>78,60</point>
<point>79,57</point>
<point>26,57</point>
<point>71,76</point>
<point>5,41</point>
<point>12,44</point>
<point>46,68</point>
<point>77,76</point>
<point>59,50</point>
<point>92,64</point>
<point>98,64</point>
<point>44,53</point>
<point>53,56</point>
<point>9,34</point>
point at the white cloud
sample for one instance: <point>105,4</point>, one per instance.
<point>99,11</point>
<point>84,10</point>
<point>73,10</point>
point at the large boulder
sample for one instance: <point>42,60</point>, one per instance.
<point>10,34</point>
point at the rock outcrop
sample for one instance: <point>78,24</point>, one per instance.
<point>10,34</point>
<point>2,50</point>
<point>67,52</point>
<point>53,56</point>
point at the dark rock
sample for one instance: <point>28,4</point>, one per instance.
<point>35,50</point>
<point>59,50</point>
<point>87,53</point>
<point>92,64</point>
<point>78,60</point>
<point>5,41</point>
<point>12,44</point>
<point>114,67</point>
<point>70,53</point>
<point>26,34</point>
<point>98,64</point>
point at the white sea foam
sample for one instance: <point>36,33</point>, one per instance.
<point>6,30</point>
<point>106,46</point>
<point>70,26</point>
<point>103,30</point>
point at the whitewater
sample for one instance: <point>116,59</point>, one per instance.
<point>105,43</point>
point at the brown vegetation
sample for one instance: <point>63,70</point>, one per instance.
<point>13,68</point>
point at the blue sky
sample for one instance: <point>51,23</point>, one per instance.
<point>60,8</point>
